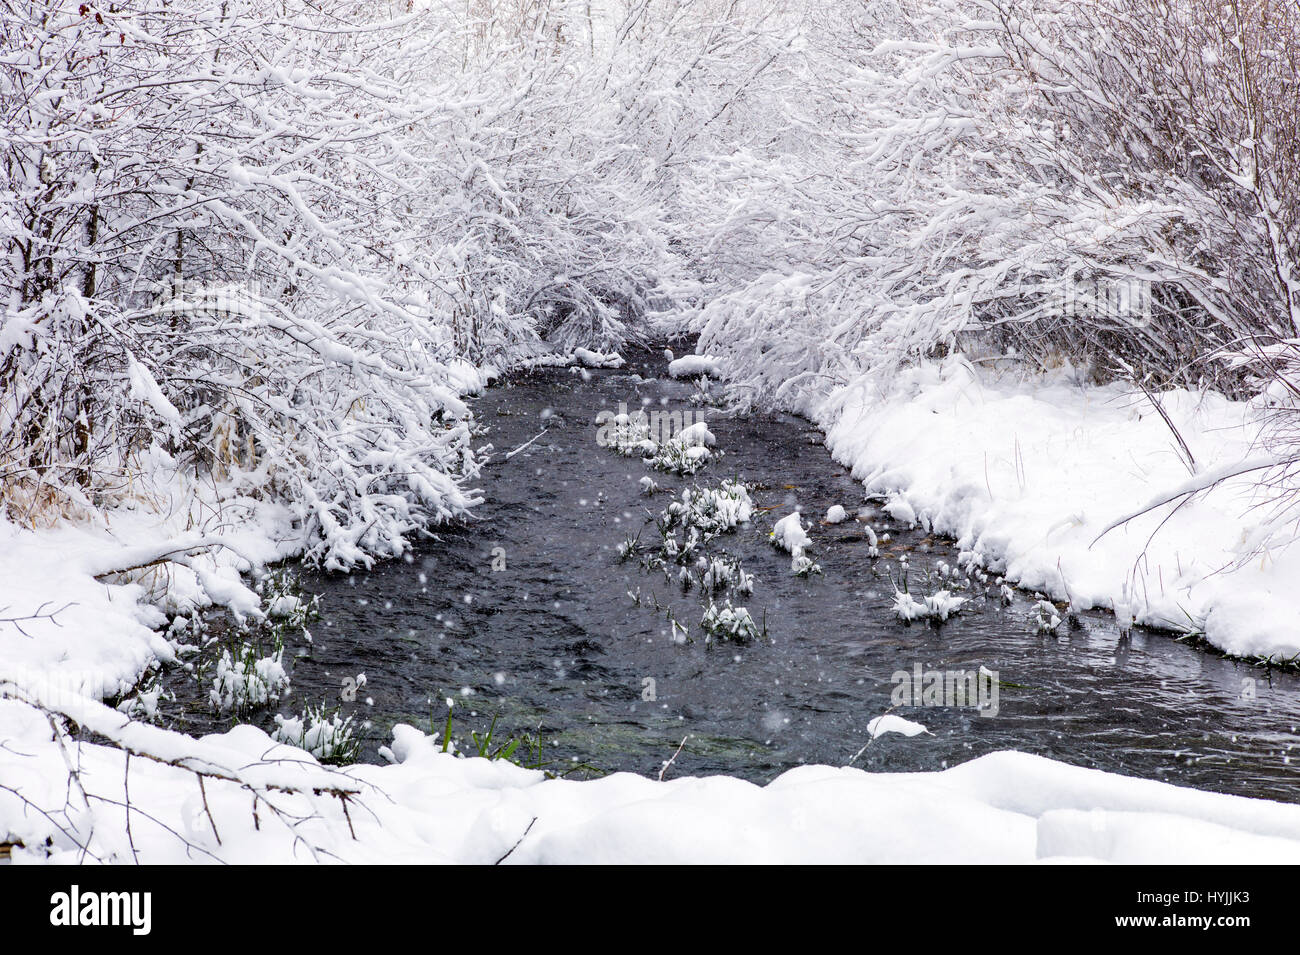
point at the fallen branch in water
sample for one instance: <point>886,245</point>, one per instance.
<point>511,454</point>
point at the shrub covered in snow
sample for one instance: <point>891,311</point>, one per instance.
<point>270,251</point>
<point>1136,218</point>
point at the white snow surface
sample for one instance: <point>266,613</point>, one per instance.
<point>788,534</point>
<point>889,723</point>
<point>1027,473</point>
<point>102,636</point>
<point>692,366</point>
<point>595,359</point>
<point>433,807</point>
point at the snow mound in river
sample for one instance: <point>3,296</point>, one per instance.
<point>692,366</point>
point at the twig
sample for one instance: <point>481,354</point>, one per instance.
<point>40,614</point>
<point>674,758</point>
<point>126,797</point>
<point>874,735</point>
<point>204,793</point>
<point>1201,483</point>
<point>511,454</point>
<point>517,842</point>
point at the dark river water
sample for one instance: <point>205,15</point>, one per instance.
<point>546,639</point>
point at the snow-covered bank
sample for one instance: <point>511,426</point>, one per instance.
<point>82,602</point>
<point>434,807</point>
<point>1027,474</point>
<point>95,631</point>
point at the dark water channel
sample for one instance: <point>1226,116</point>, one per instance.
<point>552,643</point>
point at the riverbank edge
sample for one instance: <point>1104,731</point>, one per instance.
<point>1032,476</point>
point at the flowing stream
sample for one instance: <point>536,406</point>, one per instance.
<point>527,615</point>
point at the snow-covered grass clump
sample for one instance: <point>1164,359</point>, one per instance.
<point>720,573</point>
<point>938,606</point>
<point>143,703</point>
<point>657,440</point>
<point>1045,617</point>
<point>329,737</point>
<point>686,527</point>
<point>873,542</point>
<point>711,511</point>
<point>801,565</point>
<point>245,679</point>
<point>679,456</point>
<point>698,434</point>
<point>691,521</point>
<point>245,676</point>
<point>629,434</point>
<point>788,534</point>
<point>685,452</point>
<point>730,624</point>
<point>288,609</point>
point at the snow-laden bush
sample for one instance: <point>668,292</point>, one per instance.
<point>1103,183</point>
<point>206,271</point>
<point>267,251</point>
